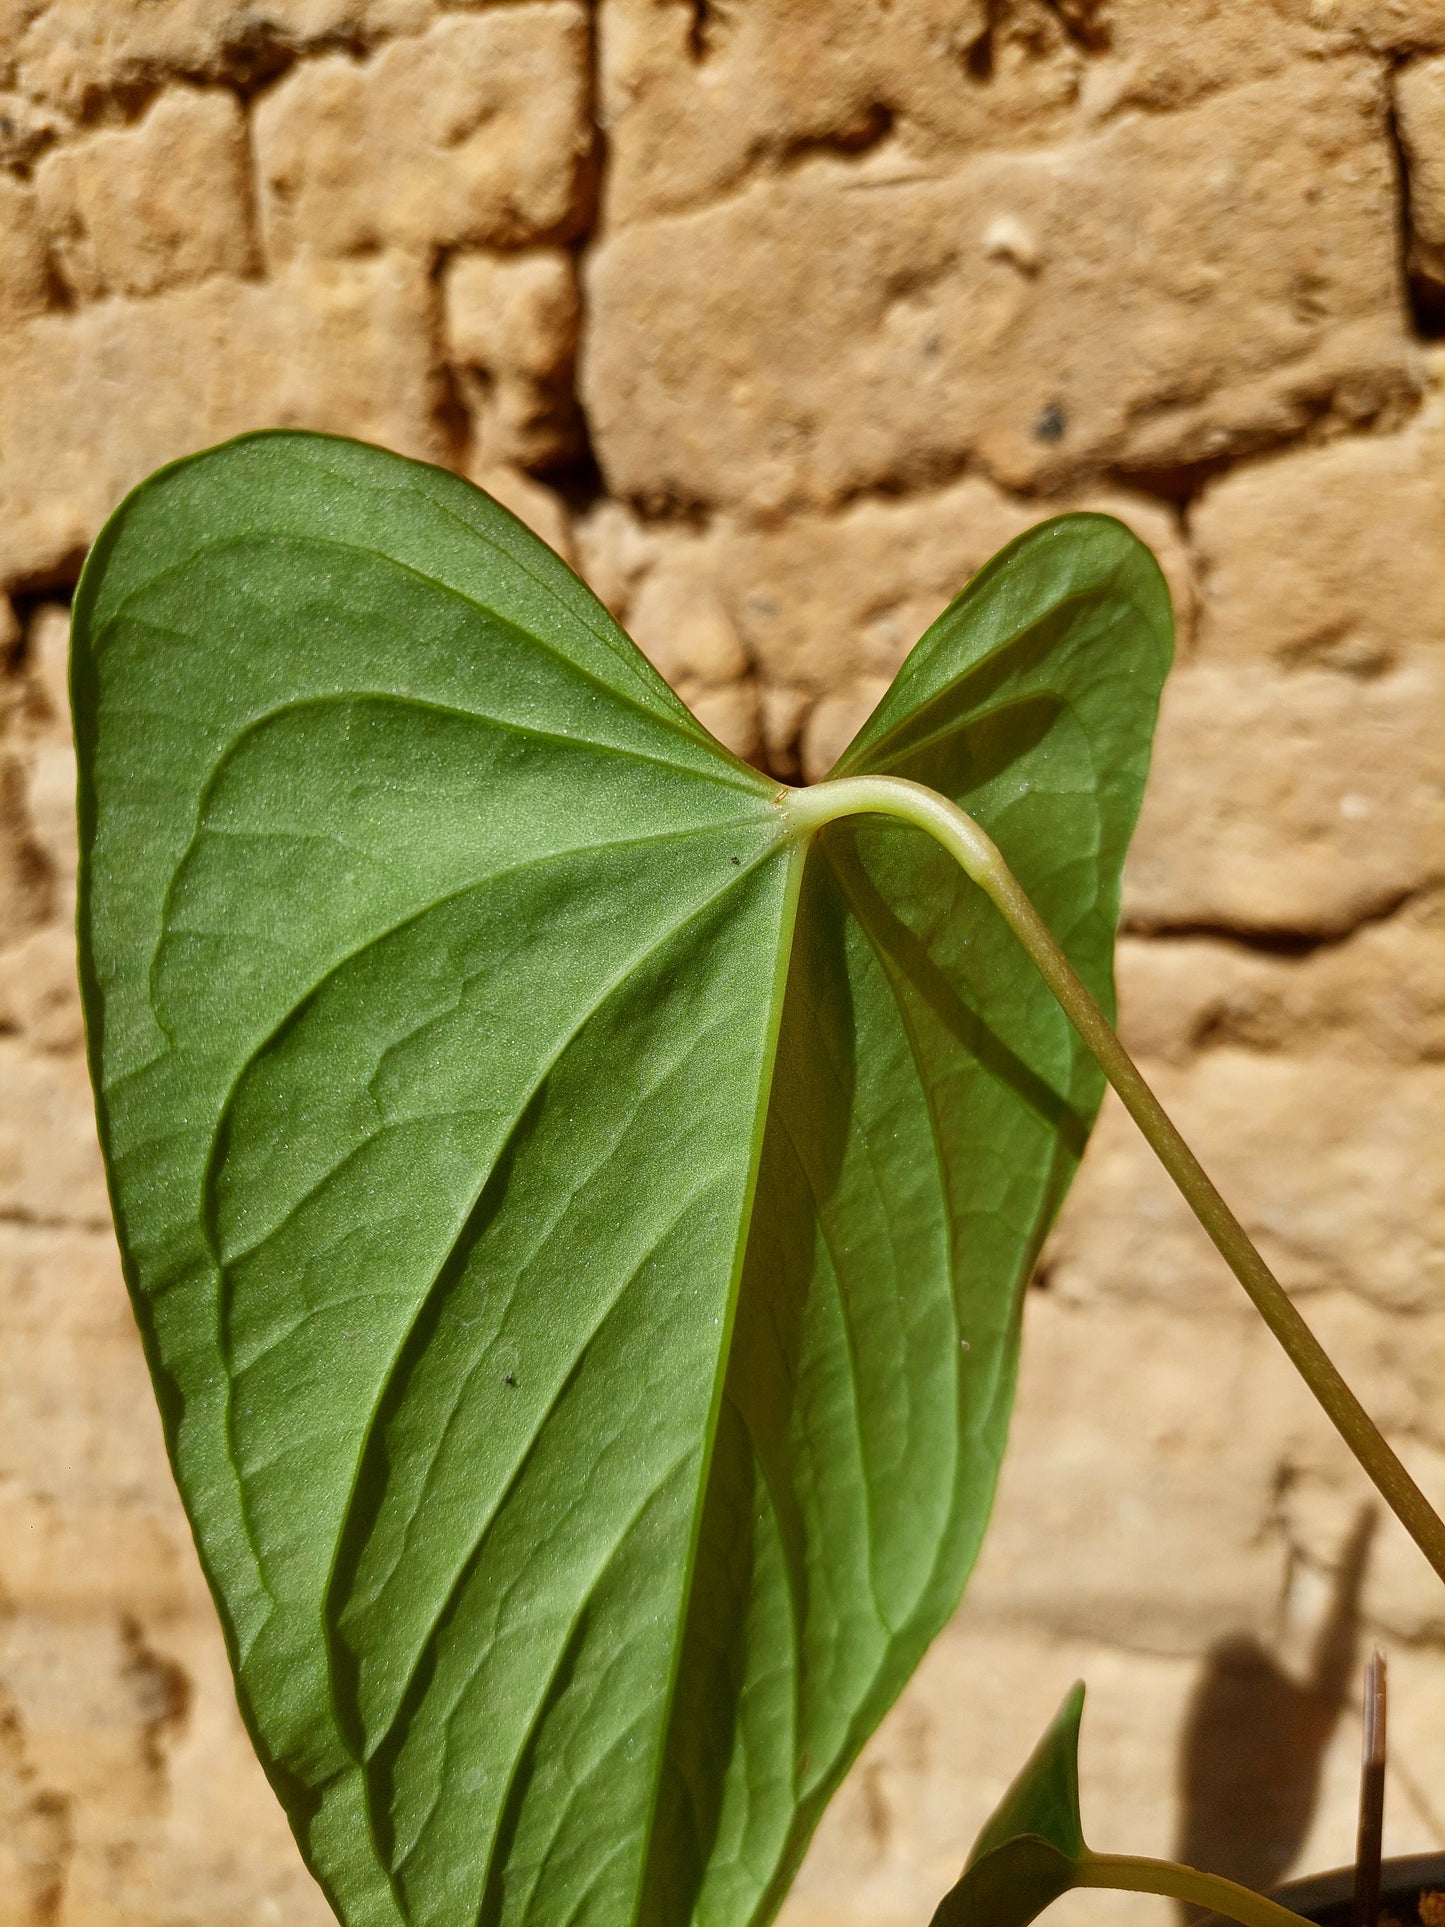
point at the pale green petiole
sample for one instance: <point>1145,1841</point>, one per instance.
<point>1131,1873</point>
<point>961,836</point>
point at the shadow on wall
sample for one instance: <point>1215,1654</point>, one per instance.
<point>1255,1738</point>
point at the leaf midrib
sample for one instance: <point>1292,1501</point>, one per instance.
<point>798,854</point>
<point>634,963</point>
<point>209,1231</point>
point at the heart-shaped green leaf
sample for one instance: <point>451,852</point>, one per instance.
<point>578,1220</point>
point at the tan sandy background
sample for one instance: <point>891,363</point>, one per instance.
<point>777,317</point>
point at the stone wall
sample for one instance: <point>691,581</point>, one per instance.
<point>778,317</point>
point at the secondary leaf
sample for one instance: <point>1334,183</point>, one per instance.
<point>1030,1849</point>
<point>578,1225</point>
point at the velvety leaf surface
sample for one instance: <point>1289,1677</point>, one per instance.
<point>578,1223</point>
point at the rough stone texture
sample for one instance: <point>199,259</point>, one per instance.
<point>973,314</point>
<point>512,324</point>
<point>1385,26</point>
<point>470,132</point>
<point>1420,106</point>
<point>1323,803</point>
<point>779,319</point>
<point>79,57</point>
<point>134,210</point>
<point>24,263</point>
<point>697,99</point>
<point>333,345</point>
<point>1299,577</point>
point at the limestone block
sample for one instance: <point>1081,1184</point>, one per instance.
<point>676,594</point>
<point>340,346</point>
<point>26,128</point>
<point>1097,1451</point>
<point>39,992</point>
<point>697,100</point>
<point>1420,112</point>
<point>139,1750</point>
<point>1333,556</point>
<point>135,209</point>
<point>1290,801</point>
<point>76,54</point>
<point>1395,1364</point>
<point>473,132</point>
<point>849,253</point>
<point>1401,1592</point>
<point>89,1514</point>
<point>1377,997</point>
<point>1324,1161</point>
<point>222,1831</point>
<point>823,598</point>
<point>48,756</point>
<point>834,721</point>
<point>826,606</point>
<point>37,826</point>
<point>50,818</point>
<point>76,1740</point>
<point>47,665</point>
<point>50,1171</point>
<point>784,712</point>
<point>24,259</point>
<point>1154,1508</point>
<point>855,323</point>
<point>26,893</point>
<point>512,322</point>
<point>15,16</point>
<point>731,715</point>
<point>34,1834</point>
<point>117,1713</point>
<point>694,100</point>
<point>1388,26</point>
<point>688,634</point>
<point>1248,1745</point>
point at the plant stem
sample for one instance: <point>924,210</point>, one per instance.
<point>1366,1909</point>
<point>1131,1873</point>
<point>980,858</point>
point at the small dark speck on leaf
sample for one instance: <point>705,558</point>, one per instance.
<point>735,859</point>
<point>1051,424</point>
<point>509,1378</point>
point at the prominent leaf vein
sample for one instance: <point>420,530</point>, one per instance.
<point>730,768</point>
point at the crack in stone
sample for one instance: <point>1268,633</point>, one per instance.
<point>1426,301</point>
<point>163,1695</point>
<point>1272,942</point>
<point>37,1822</point>
<point>1082,25</point>
<point>27,1220</point>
